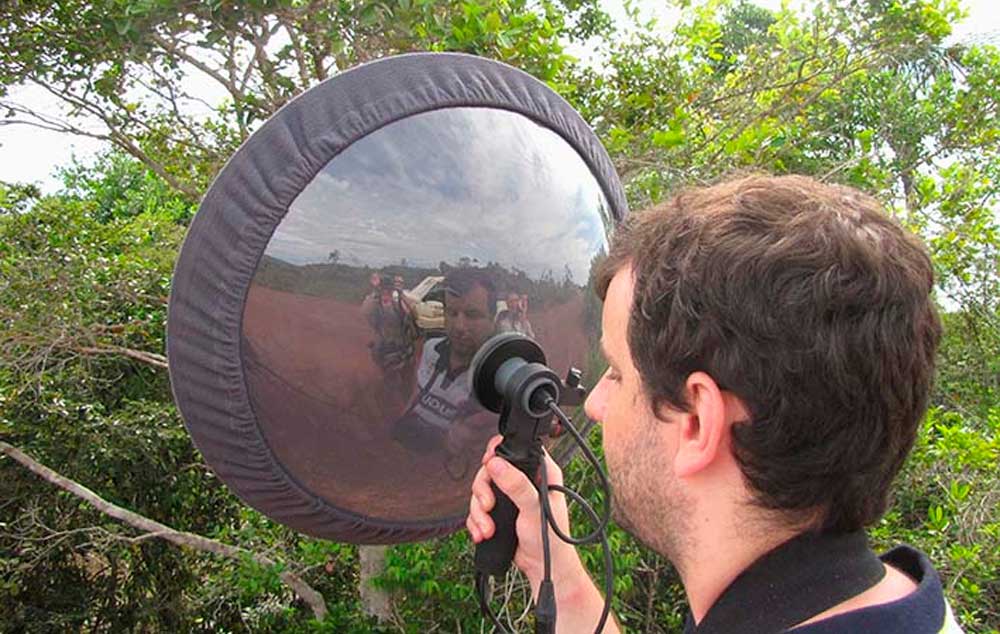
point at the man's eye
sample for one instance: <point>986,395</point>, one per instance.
<point>612,375</point>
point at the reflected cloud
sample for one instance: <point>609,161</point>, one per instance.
<point>483,184</point>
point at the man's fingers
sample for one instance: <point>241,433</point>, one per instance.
<point>508,479</point>
<point>491,448</point>
<point>515,484</point>
<point>482,491</point>
<point>479,523</point>
<point>554,472</point>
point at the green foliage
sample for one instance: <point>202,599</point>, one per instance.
<point>946,505</point>
<point>122,189</point>
<point>16,197</point>
<point>432,584</point>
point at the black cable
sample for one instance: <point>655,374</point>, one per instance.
<point>545,607</point>
<point>599,533</point>
<point>602,524</point>
<point>482,590</point>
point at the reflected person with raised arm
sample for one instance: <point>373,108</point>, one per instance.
<point>514,318</point>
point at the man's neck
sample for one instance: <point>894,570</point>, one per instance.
<point>456,366</point>
<point>719,554</point>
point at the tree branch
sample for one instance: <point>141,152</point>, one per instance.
<point>264,66</point>
<point>238,104</point>
<point>172,47</point>
<point>172,97</point>
<point>115,136</point>
<point>151,358</point>
<point>46,122</point>
<point>152,528</point>
<point>300,56</point>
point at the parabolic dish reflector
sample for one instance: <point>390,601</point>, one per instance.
<point>346,265</point>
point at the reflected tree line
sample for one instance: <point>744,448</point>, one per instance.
<point>349,283</point>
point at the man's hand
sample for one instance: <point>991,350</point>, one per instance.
<point>577,599</point>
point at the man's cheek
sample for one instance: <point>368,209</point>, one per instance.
<point>610,447</point>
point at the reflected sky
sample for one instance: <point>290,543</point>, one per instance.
<point>485,184</point>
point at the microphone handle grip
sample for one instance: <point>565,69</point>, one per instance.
<point>494,556</point>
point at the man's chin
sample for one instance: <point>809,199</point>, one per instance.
<point>623,519</point>
<point>462,353</point>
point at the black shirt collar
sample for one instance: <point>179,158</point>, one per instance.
<point>797,580</point>
<point>923,611</point>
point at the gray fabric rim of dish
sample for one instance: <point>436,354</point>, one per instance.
<point>240,212</point>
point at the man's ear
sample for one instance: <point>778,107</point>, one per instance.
<point>703,436</point>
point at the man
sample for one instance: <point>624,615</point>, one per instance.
<point>390,315</point>
<point>443,410</point>
<point>515,318</point>
<point>770,346</point>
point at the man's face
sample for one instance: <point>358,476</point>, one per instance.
<point>638,447</point>
<point>514,303</point>
<point>467,322</point>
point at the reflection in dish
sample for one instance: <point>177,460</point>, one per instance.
<point>404,254</point>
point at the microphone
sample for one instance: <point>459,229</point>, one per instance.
<point>509,377</point>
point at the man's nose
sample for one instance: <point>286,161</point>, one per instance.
<point>594,405</point>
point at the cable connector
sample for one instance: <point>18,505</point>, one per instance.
<point>545,609</point>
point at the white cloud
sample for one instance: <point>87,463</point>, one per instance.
<point>465,182</point>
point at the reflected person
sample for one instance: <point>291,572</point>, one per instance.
<point>390,316</point>
<point>515,317</point>
<point>442,412</point>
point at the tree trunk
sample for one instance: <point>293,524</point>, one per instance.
<point>375,601</point>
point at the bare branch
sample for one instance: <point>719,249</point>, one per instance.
<point>300,56</point>
<point>179,48</point>
<point>175,88</point>
<point>46,122</point>
<point>150,358</point>
<point>118,137</point>
<point>152,528</point>
<point>172,97</point>
<point>62,129</point>
<point>238,104</point>
<point>264,66</point>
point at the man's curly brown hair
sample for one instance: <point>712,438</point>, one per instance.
<point>812,306</point>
